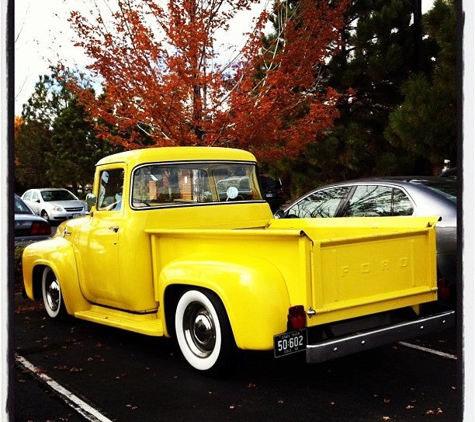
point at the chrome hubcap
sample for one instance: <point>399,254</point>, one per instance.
<point>199,329</point>
<point>53,295</point>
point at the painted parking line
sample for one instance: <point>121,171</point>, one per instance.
<point>69,398</point>
<point>428,350</point>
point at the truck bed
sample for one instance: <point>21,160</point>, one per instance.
<point>352,267</point>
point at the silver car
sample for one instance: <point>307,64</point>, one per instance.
<point>54,204</point>
<point>392,196</point>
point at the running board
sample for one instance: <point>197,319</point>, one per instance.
<point>147,324</point>
<point>342,346</point>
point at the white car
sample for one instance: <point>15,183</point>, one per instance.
<point>54,204</point>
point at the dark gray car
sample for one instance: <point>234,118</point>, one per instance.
<point>28,226</point>
<point>392,196</point>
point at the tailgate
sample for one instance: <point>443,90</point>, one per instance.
<point>365,274</point>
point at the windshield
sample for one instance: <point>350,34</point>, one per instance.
<point>57,195</point>
<point>194,183</point>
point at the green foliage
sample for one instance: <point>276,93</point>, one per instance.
<point>31,144</point>
<point>75,148</point>
<point>32,140</point>
<point>426,122</point>
<point>56,144</point>
<point>18,281</point>
<point>377,59</point>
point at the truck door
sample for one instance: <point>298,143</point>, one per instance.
<point>99,248</point>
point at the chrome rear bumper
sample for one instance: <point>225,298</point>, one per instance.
<point>342,346</point>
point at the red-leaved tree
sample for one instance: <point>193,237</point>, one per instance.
<point>164,82</point>
<point>281,104</point>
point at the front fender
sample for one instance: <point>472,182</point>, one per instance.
<point>252,290</point>
<point>58,254</point>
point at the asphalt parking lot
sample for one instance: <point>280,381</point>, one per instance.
<point>127,377</point>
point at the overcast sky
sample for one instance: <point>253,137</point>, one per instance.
<point>37,25</point>
<point>43,35</point>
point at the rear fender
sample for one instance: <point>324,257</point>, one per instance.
<point>252,290</point>
<point>58,254</point>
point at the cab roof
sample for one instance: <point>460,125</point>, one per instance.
<point>172,154</point>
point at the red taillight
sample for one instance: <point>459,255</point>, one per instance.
<point>297,318</point>
<point>444,289</point>
<point>38,228</point>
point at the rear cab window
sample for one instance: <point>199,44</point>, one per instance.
<point>157,185</point>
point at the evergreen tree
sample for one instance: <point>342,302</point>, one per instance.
<point>56,144</point>
<point>426,123</point>
<point>75,149</point>
<point>33,139</point>
<point>377,60</point>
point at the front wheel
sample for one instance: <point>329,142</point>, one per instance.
<point>52,297</point>
<point>203,331</point>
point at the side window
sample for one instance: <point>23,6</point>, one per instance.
<point>402,205</point>
<point>110,190</point>
<point>323,203</point>
<point>370,201</point>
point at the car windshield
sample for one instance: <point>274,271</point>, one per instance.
<point>57,195</point>
<point>447,190</point>
<point>21,207</point>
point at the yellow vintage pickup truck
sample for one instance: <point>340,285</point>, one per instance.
<point>179,242</point>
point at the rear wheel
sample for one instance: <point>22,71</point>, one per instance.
<point>52,296</point>
<point>203,331</point>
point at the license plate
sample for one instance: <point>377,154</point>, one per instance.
<point>269,195</point>
<point>290,342</point>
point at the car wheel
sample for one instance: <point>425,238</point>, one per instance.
<point>203,331</point>
<point>52,296</point>
<point>45,215</point>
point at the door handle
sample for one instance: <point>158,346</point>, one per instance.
<point>115,229</point>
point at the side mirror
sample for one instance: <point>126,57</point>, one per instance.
<point>91,200</point>
<point>279,214</point>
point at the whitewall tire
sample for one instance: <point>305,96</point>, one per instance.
<point>203,331</point>
<point>51,292</point>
